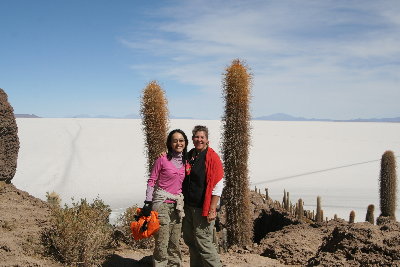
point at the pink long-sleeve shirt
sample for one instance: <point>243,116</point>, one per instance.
<point>166,175</point>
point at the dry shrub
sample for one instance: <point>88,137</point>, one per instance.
<point>9,142</point>
<point>235,151</point>
<point>81,234</point>
<point>53,199</point>
<point>124,223</point>
<point>154,113</point>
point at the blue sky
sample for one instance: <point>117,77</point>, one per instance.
<point>311,58</point>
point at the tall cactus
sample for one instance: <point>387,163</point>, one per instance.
<point>388,185</point>
<point>236,130</point>
<point>9,142</point>
<point>154,111</point>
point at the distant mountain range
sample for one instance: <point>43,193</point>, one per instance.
<point>129,116</point>
<point>286,117</point>
<point>273,117</point>
<point>26,116</point>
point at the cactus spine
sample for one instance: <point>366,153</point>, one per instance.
<point>388,185</point>
<point>236,130</point>
<point>154,111</point>
<point>370,214</point>
<point>9,142</point>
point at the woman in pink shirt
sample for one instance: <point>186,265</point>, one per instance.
<point>164,195</point>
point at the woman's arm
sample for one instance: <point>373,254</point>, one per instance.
<point>212,213</point>
<point>151,182</point>
<point>216,194</point>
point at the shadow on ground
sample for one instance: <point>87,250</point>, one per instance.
<point>118,261</point>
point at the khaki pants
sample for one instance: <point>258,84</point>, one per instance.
<point>198,235</point>
<point>167,251</point>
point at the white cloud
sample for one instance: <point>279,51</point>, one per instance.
<point>303,49</point>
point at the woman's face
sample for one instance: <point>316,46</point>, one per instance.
<point>200,141</point>
<point>178,142</point>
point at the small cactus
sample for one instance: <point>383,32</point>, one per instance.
<point>370,214</point>
<point>284,198</point>
<point>352,216</point>
<point>319,216</point>
<point>300,210</point>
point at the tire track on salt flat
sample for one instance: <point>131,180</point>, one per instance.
<point>72,156</point>
<point>313,172</point>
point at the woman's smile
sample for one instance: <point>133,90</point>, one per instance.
<point>178,142</point>
<point>200,141</point>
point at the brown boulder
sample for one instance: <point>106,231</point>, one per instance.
<point>9,142</point>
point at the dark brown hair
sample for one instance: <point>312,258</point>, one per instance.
<point>200,128</point>
<point>169,139</point>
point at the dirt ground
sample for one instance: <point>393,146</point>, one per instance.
<point>24,217</point>
<point>22,220</point>
<point>281,240</point>
<point>128,257</point>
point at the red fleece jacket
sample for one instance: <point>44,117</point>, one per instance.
<point>214,174</point>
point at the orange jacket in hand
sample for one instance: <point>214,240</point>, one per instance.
<point>145,227</point>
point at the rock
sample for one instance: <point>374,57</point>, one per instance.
<point>9,142</point>
<point>360,244</point>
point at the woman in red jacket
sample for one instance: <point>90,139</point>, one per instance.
<point>202,189</point>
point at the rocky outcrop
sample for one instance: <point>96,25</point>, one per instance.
<point>360,244</point>
<point>9,142</point>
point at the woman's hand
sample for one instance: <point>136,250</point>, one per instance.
<point>162,154</point>
<point>212,214</point>
<point>146,210</point>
